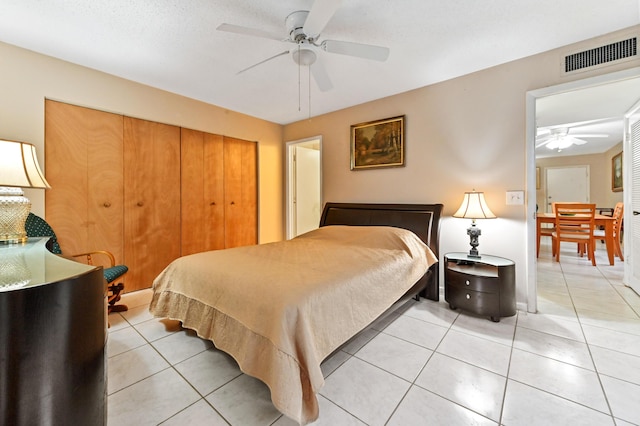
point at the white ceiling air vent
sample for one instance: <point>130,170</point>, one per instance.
<point>601,56</point>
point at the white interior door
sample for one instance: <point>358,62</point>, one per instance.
<point>567,184</point>
<point>303,185</point>
<point>307,189</point>
<point>631,184</point>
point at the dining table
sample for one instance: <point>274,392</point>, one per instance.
<point>600,220</point>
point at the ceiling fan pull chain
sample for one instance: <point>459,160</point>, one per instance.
<point>309,82</point>
<point>299,96</point>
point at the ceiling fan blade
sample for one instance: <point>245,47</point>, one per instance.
<point>286,52</point>
<point>543,143</point>
<point>592,135</point>
<point>543,137</point>
<point>366,51</point>
<point>577,124</point>
<point>237,29</point>
<point>320,76</point>
<point>576,141</point>
<point>319,15</point>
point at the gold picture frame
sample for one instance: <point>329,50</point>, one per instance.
<point>378,143</point>
<point>616,172</point>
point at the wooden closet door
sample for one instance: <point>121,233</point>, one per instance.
<point>84,165</point>
<point>151,199</point>
<point>202,191</point>
<point>241,195</point>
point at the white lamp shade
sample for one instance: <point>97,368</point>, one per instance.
<point>474,207</point>
<point>19,166</point>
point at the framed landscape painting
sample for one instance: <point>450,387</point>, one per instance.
<point>378,144</point>
<point>616,173</point>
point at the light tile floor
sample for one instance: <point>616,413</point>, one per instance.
<point>575,362</point>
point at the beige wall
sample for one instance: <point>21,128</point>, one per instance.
<point>465,133</point>
<point>600,191</point>
<point>28,78</point>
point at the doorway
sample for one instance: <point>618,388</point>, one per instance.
<point>304,185</point>
<point>602,83</point>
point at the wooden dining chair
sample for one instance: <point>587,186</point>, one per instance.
<point>618,213</point>
<point>575,223</point>
<point>546,231</point>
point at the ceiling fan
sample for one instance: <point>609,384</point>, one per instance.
<point>561,137</point>
<point>303,30</point>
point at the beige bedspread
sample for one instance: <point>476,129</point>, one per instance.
<point>279,309</point>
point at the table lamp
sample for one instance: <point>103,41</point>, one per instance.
<point>18,169</point>
<point>474,207</point>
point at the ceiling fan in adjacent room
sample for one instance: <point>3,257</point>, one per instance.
<point>560,138</point>
<point>303,29</point>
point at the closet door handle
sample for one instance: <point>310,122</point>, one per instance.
<point>233,202</point>
<point>107,204</point>
<point>213,203</point>
<point>140,204</point>
<point>635,213</point>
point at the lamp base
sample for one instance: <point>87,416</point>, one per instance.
<point>474,254</point>
<point>14,272</point>
<point>14,209</point>
<point>474,232</point>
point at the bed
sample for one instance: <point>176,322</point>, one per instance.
<point>279,309</point>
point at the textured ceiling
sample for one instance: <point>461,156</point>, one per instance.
<point>174,45</point>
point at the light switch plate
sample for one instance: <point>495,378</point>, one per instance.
<point>515,198</point>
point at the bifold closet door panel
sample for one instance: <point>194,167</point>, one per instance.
<point>84,165</point>
<point>202,191</point>
<point>146,191</point>
<point>151,199</point>
<point>241,195</point>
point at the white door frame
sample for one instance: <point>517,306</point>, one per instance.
<point>290,182</point>
<point>627,179</point>
<point>531,96</point>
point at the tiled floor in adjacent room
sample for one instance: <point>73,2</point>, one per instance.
<point>576,362</point>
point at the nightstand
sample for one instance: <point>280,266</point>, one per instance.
<point>486,285</point>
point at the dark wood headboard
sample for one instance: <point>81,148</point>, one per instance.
<point>421,219</point>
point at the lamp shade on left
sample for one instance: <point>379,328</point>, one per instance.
<point>19,166</point>
<point>18,169</point>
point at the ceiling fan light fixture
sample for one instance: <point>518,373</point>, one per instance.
<point>560,143</point>
<point>304,56</point>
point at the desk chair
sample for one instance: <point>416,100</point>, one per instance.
<point>38,227</point>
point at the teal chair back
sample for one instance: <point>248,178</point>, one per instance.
<point>35,226</point>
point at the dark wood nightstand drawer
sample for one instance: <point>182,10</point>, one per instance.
<point>466,281</point>
<point>484,285</point>
<point>475,301</point>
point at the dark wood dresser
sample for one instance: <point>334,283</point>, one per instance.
<point>53,330</point>
<point>485,286</point>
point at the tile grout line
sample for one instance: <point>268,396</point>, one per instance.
<point>506,382</point>
<point>172,366</point>
<point>595,368</point>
